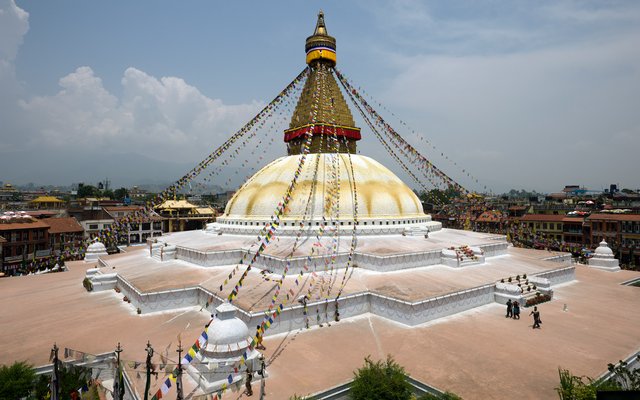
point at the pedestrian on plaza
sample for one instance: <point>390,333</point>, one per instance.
<point>259,345</point>
<point>247,382</point>
<point>536,318</point>
<point>509,309</point>
<point>516,310</point>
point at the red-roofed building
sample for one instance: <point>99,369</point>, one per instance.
<point>64,232</point>
<point>573,231</point>
<point>142,228</point>
<point>491,221</point>
<point>549,225</point>
<point>27,239</point>
<point>620,231</point>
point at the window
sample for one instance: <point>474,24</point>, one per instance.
<point>544,225</point>
<point>146,226</point>
<point>93,226</point>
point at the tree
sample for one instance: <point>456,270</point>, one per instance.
<point>107,193</point>
<point>87,191</point>
<point>120,194</point>
<point>381,380</point>
<point>16,381</point>
<point>574,387</point>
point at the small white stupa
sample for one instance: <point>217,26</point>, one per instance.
<point>95,251</point>
<point>603,258</point>
<point>228,338</point>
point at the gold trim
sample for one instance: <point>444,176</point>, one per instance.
<point>324,54</point>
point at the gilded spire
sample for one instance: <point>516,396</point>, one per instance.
<point>321,107</point>
<point>321,46</point>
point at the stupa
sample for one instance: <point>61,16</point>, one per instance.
<point>368,194</point>
<point>603,258</point>
<point>228,338</point>
<point>397,281</point>
<point>94,251</point>
<point>348,217</point>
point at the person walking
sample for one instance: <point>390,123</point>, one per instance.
<point>516,310</point>
<point>536,318</point>
<point>247,383</point>
<point>509,309</point>
<point>259,345</point>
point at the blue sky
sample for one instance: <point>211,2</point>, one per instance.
<point>524,94</point>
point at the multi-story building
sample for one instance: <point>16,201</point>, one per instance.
<point>141,228</point>
<point>27,239</point>
<point>180,215</point>
<point>91,215</point>
<point>64,233</point>
<point>491,221</point>
<point>573,231</point>
<point>548,225</point>
<point>620,231</point>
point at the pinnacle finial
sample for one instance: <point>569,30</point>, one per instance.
<point>321,28</point>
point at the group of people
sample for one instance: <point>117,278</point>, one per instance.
<point>513,311</point>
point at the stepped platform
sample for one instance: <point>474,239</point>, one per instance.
<point>406,287</point>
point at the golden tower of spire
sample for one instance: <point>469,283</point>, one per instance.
<point>331,116</point>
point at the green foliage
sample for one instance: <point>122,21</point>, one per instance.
<point>380,380</point>
<point>120,194</point>
<point>86,282</point>
<point>444,396</point>
<point>17,380</point>
<point>581,387</point>
<point>574,387</point>
<point>88,191</point>
<point>107,193</point>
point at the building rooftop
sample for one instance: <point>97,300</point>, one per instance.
<point>46,199</point>
<point>542,218</point>
<point>614,217</point>
<point>64,225</point>
<point>23,223</point>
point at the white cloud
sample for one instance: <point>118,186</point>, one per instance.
<point>14,24</point>
<point>162,118</point>
<point>530,109</point>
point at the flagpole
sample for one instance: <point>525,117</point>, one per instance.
<point>179,377</point>
<point>55,381</point>
<point>118,391</point>
<point>148,383</point>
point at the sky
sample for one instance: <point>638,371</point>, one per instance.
<point>519,94</point>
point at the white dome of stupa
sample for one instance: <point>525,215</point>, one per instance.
<point>226,331</point>
<point>384,202</point>
<point>94,251</point>
<point>603,250</point>
<point>603,258</point>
